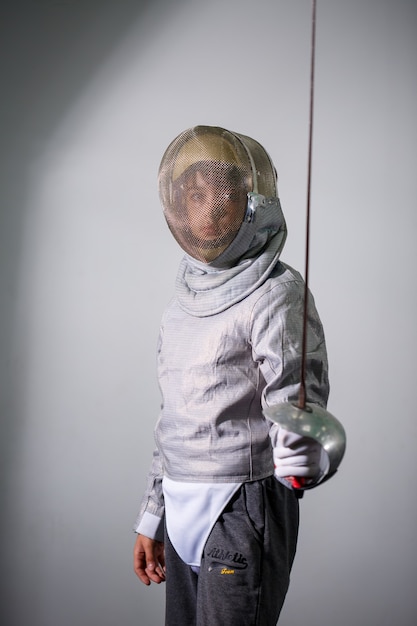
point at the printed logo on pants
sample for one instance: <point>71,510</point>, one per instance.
<point>227,559</point>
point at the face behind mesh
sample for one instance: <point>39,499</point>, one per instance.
<point>209,203</point>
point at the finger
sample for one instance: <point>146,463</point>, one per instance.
<point>304,448</point>
<point>297,460</point>
<point>161,567</point>
<point>293,469</point>
<point>153,569</point>
<point>159,555</point>
<point>139,566</point>
<point>293,441</point>
<point>160,572</point>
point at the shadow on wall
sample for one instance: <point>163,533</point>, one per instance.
<point>49,51</point>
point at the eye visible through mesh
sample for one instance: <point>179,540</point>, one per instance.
<point>204,178</point>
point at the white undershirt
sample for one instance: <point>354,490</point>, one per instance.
<point>191,510</point>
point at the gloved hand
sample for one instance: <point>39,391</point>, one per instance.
<point>300,460</point>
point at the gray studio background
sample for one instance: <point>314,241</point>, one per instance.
<point>92,93</point>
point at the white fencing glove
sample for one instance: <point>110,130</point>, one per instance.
<point>300,460</point>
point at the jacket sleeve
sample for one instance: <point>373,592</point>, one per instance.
<point>277,335</point>
<point>149,520</point>
<point>151,511</point>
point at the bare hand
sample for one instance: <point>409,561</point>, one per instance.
<point>149,560</point>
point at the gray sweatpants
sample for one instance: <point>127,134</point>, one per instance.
<point>246,563</point>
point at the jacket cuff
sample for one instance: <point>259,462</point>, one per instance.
<point>151,526</point>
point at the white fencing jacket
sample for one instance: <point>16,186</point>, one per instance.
<point>230,344</point>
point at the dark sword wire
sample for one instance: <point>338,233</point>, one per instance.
<point>302,393</point>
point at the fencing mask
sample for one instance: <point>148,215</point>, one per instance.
<point>206,178</point>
